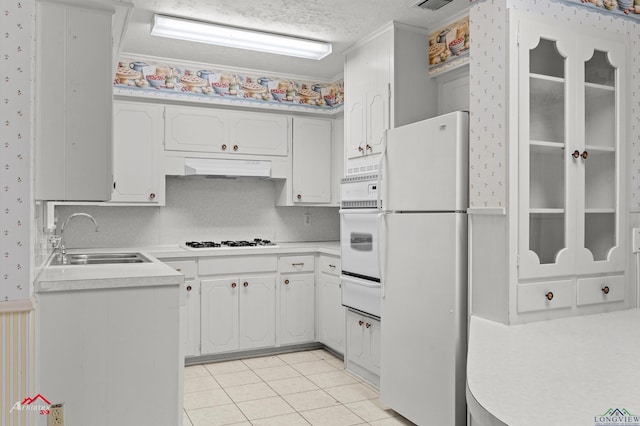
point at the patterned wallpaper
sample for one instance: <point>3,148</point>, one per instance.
<point>16,17</point>
<point>488,92</point>
<point>487,104</point>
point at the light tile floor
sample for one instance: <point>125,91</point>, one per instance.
<point>298,388</point>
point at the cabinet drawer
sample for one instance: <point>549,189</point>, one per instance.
<point>546,295</point>
<point>330,265</point>
<point>187,267</point>
<point>600,290</point>
<point>237,265</point>
<point>296,264</point>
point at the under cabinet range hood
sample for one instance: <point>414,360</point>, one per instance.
<point>214,167</point>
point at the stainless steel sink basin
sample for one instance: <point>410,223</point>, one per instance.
<point>101,259</point>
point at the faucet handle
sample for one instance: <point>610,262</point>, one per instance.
<point>55,240</point>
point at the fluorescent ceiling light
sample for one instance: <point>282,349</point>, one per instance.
<point>204,32</point>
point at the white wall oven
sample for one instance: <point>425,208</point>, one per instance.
<point>359,243</point>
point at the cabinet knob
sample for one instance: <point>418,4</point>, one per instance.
<point>576,154</point>
<point>286,281</point>
<point>224,147</point>
<point>235,147</point>
<point>360,149</point>
<point>246,284</point>
<point>584,155</point>
<point>233,285</point>
<point>367,325</point>
<point>360,323</point>
<point>605,289</point>
<point>152,196</point>
<point>299,196</point>
<point>369,147</point>
<point>188,288</point>
<point>549,295</point>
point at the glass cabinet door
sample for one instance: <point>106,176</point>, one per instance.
<point>570,125</point>
<point>599,127</point>
<point>544,126</point>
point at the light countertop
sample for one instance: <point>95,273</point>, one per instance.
<point>93,277</point>
<point>174,251</point>
<point>565,371</point>
<point>87,277</point>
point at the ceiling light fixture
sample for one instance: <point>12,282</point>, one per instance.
<point>204,32</point>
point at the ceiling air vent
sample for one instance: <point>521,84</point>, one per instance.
<point>433,4</point>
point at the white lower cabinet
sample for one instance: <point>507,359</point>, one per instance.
<point>189,306</point>
<point>331,313</point>
<point>363,346</point>
<point>108,353</point>
<point>297,299</point>
<point>297,308</point>
<point>237,313</point>
<point>239,303</point>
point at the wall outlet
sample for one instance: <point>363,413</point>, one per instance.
<point>635,240</point>
<point>307,219</point>
<point>56,415</point>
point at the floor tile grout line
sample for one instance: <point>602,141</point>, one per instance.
<point>301,374</point>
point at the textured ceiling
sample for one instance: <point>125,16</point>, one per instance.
<point>341,22</point>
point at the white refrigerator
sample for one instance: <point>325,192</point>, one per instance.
<point>423,225</point>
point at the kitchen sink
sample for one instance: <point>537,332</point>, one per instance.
<point>100,259</point>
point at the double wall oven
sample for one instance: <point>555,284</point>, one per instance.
<point>359,245</point>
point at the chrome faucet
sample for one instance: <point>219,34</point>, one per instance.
<point>62,250</point>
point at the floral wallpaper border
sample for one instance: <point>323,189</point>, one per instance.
<point>618,8</point>
<point>151,78</point>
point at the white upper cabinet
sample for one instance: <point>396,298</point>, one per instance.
<point>138,175</point>
<point>196,129</point>
<point>213,130</point>
<point>387,85</point>
<point>311,160</point>
<point>571,141</point>
<point>258,133</point>
<point>73,98</point>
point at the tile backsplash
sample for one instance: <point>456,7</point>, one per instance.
<point>201,209</point>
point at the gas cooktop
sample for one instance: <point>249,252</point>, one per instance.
<point>256,242</point>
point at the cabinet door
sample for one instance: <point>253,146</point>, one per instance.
<point>355,124</point>
<point>372,345</point>
<point>311,160</point>
<point>547,168</point>
<point>219,313</point>
<point>331,313</point>
<point>190,321</point>
<point>377,121</point>
<point>297,308</point>
<point>258,134</point>
<point>571,121</point>
<point>257,312</point>
<point>355,339</point>
<point>137,152</point>
<point>72,140</point>
<point>600,107</point>
<point>196,129</point>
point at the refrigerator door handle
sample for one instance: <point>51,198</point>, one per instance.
<point>381,250</point>
<point>380,166</point>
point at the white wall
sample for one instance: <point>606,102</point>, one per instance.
<point>201,209</point>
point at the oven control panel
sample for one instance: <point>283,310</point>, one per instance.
<point>359,191</point>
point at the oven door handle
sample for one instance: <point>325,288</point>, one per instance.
<point>382,225</point>
<point>359,281</point>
